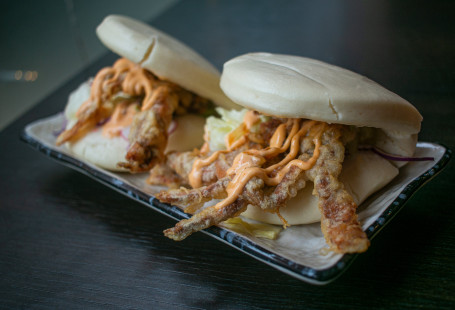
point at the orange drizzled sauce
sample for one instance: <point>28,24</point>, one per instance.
<point>195,176</point>
<point>122,117</point>
<point>135,81</point>
<point>248,164</point>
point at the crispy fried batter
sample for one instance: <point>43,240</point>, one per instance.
<point>162,174</point>
<point>193,199</point>
<point>148,133</point>
<point>182,164</point>
<point>272,198</point>
<point>178,165</point>
<point>204,219</point>
<point>339,221</point>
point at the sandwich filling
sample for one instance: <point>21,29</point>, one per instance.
<point>265,162</point>
<point>127,95</point>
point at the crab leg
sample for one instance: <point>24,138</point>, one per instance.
<point>204,219</point>
<point>339,222</point>
<point>194,198</point>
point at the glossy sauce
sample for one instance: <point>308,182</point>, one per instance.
<point>247,165</point>
<point>250,119</point>
<point>135,81</point>
<point>195,176</point>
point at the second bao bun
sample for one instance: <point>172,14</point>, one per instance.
<point>168,59</point>
<point>298,87</point>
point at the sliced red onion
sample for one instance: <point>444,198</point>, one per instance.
<point>392,156</point>
<point>57,133</point>
<point>124,133</point>
<point>172,127</point>
<point>102,122</point>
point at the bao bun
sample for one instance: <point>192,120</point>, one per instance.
<point>167,58</point>
<point>298,87</point>
<point>292,86</point>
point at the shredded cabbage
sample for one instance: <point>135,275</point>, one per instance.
<point>217,128</point>
<point>259,230</point>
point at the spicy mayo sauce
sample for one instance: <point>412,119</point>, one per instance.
<point>248,164</point>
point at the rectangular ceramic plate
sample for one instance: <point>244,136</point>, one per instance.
<point>298,251</point>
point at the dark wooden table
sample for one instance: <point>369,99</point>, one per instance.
<point>67,241</point>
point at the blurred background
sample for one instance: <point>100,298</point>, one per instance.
<point>44,43</point>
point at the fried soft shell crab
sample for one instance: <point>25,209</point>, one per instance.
<point>308,124</point>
